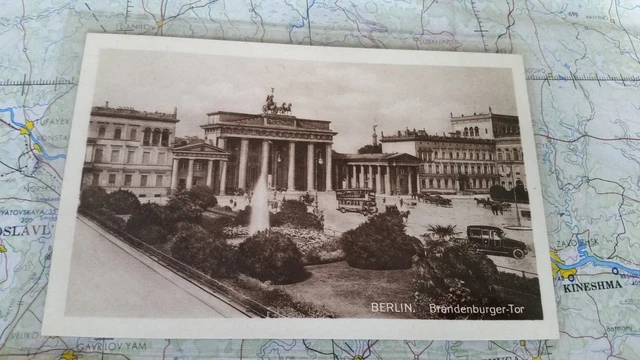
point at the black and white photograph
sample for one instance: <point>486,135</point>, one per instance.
<point>221,189</point>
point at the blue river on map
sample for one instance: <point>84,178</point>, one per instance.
<point>586,258</point>
<point>33,138</point>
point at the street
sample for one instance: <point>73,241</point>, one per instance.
<point>108,278</point>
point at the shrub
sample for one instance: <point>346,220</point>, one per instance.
<point>122,202</point>
<point>109,219</point>
<point>146,215</point>
<point>202,196</point>
<point>294,213</point>
<point>193,246</point>
<point>380,243</point>
<point>269,256</point>
<point>216,226</point>
<point>244,216</point>
<point>93,197</point>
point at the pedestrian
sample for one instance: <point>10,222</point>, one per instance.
<point>230,201</point>
<point>501,213</point>
<point>384,199</point>
<point>235,204</point>
<point>401,202</point>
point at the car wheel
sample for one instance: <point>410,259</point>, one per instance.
<point>518,254</point>
<point>343,210</point>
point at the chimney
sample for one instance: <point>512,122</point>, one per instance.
<point>106,104</point>
<point>175,112</point>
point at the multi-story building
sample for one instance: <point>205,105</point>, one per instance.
<point>478,153</point>
<point>505,130</point>
<point>130,149</point>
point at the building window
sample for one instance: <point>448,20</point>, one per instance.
<point>466,169</point>
<point>478,169</point>
<point>517,169</point>
<point>97,157</point>
<point>165,137</point>
<point>127,179</point>
<point>484,156</point>
<point>423,183</point>
<point>485,169</point>
<point>486,131</point>
<point>444,169</point>
<point>446,183</point>
<point>507,155</point>
<point>145,157</point>
<point>143,180</point>
<point>472,170</point>
<point>161,158</point>
<point>475,183</point>
<point>435,156</point>
<point>492,169</point>
<point>95,180</point>
<point>459,169</point>
<point>184,165</point>
<point>438,183</point>
<point>198,166</point>
<point>503,183</point>
<point>450,155</point>
<point>457,155</point>
<point>131,156</point>
<point>112,179</point>
<point>510,185</point>
<point>102,131</point>
<point>430,183</point>
<point>430,169</point>
<point>490,156</point>
<point>115,156</point>
<point>464,155</point>
<point>155,141</point>
<point>499,155</point>
<point>117,134</point>
<point>133,134</point>
<point>477,131</point>
<point>515,154</point>
<point>437,169</point>
<point>159,179</point>
<point>147,137</point>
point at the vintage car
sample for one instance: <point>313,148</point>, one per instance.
<point>492,240</point>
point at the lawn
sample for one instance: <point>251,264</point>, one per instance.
<point>349,292</point>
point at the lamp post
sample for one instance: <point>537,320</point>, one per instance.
<point>515,198</point>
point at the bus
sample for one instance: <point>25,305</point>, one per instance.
<point>362,201</point>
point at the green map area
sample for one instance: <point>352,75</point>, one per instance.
<point>583,72</point>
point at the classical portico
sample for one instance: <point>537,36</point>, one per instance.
<point>385,173</point>
<point>199,164</point>
<point>295,153</point>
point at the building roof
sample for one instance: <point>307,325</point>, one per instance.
<point>131,113</point>
<point>379,157</point>
<point>200,147</point>
<point>484,116</point>
<point>420,135</point>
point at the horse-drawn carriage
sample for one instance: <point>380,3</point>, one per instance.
<point>493,205</point>
<point>436,200</point>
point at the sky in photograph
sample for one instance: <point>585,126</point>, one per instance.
<point>351,96</point>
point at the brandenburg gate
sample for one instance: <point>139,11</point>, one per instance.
<point>295,153</point>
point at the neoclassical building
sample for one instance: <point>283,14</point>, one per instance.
<point>392,173</point>
<point>478,153</point>
<point>130,149</point>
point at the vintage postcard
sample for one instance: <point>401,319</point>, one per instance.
<point>234,190</point>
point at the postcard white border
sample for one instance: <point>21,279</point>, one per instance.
<point>55,323</point>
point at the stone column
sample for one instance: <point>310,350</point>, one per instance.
<point>410,182</point>
<point>244,153</point>
<point>174,175</point>
<point>209,173</point>
<point>310,167</point>
<point>190,174</point>
<point>370,177</point>
<point>291,174</point>
<point>223,176</point>
<point>397,180</point>
<point>361,184</point>
<point>387,180</point>
<point>329,166</point>
<point>378,180</point>
<point>264,168</point>
<point>352,177</point>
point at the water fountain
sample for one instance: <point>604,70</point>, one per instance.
<point>259,206</point>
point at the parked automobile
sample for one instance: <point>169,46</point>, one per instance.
<point>493,240</point>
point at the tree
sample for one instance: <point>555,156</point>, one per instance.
<point>194,247</point>
<point>370,149</point>
<point>181,207</point>
<point>442,232</point>
<point>122,202</point>
<point>203,196</point>
<point>93,198</point>
<point>149,214</point>
<point>497,192</point>
<point>380,243</point>
<point>270,256</point>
